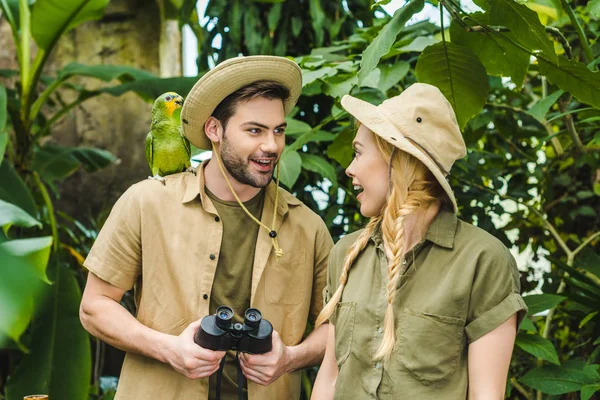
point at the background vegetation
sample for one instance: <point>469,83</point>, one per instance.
<point>522,77</point>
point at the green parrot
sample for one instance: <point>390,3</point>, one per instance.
<point>167,150</point>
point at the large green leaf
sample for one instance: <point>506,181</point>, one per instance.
<point>574,77</point>
<point>104,72</point>
<point>317,18</point>
<point>391,74</point>
<point>341,148</point>
<point>60,360</point>
<point>3,114</point>
<point>14,190</point>
<point>13,215</point>
<point>498,56</point>
<point>537,346</point>
<point>537,303</point>
<point>291,166</point>
<point>524,25</point>
<point>540,109</point>
<point>296,127</point>
<point>457,72</point>
<point>555,380</point>
<point>386,38</point>
<point>319,165</point>
<point>55,163</point>
<point>51,18</point>
<point>593,8</point>
<point>148,89</point>
<point>36,251</point>
<point>19,285</point>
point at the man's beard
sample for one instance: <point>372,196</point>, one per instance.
<point>239,169</point>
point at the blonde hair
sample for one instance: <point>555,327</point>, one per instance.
<point>412,187</point>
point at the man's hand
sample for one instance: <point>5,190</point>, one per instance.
<point>264,369</point>
<point>189,359</point>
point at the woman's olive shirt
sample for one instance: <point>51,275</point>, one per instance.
<point>459,283</point>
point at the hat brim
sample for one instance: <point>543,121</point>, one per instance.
<point>370,116</point>
<point>226,78</point>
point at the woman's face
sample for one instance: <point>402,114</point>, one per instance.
<point>369,173</point>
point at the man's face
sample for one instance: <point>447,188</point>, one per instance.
<point>253,141</point>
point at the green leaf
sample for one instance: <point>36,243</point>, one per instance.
<point>13,189</point>
<point>10,9</point>
<point>337,87</point>
<point>50,19</point>
<point>537,346</point>
<point>36,251</point>
<point>291,166</point>
<point>3,142</point>
<point>391,74</point>
<point>527,325</point>
<point>13,215</point>
<point>319,165</point>
<point>587,319</point>
<point>55,163</point>
<point>19,286</point>
<point>311,76</point>
<point>296,127</point>
<point>524,25</point>
<point>386,38</point>
<point>3,109</point>
<point>341,148</point>
<point>457,72</point>
<point>588,391</point>
<point>593,8</point>
<point>499,57</point>
<point>555,380</point>
<point>317,18</point>
<point>537,303</point>
<point>104,72</point>
<point>274,16</point>
<point>540,109</point>
<point>574,77</point>
<point>60,360</point>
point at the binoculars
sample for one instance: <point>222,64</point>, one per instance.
<point>219,332</point>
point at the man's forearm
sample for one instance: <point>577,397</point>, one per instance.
<point>112,323</point>
<point>310,352</point>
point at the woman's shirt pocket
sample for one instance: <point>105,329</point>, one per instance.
<point>429,345</point>
<point>343,320</point>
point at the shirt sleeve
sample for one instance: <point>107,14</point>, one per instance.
<point>494,294</point>
<point>323,245</point>
<point>116,255</point>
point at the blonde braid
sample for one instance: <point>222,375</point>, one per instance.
<point>355,249</point>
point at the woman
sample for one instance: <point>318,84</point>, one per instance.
<point>421,304</point>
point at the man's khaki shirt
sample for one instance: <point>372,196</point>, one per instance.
<point>459,283</point>
<point>164,241</point>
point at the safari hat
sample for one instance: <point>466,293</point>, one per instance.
<point>419,121</point>
<point>226,78</point>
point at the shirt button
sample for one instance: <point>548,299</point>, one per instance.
<point>205,296</point>
<point>404,262</point>
<point>380,331</point>
<point>217,219</point>
<point>212,257</point>
<point>378,365</point>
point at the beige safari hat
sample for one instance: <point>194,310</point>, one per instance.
<point>226,78</point>
<point>419,121</point>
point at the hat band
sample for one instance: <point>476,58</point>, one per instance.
<point>428,154</point>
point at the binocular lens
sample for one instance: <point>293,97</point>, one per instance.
<point>224,316</point>
<point>252,317</point>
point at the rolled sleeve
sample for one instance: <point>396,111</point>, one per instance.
<point>495,294</point>
<point>116,254</point>
<point>323,244</point>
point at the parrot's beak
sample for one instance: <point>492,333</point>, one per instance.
<point>179,101</point>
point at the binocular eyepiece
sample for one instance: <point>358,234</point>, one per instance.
<point>219,332</point>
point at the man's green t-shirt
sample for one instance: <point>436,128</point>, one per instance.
<point>233,277</point>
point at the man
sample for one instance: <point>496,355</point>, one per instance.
<point>228,236</point>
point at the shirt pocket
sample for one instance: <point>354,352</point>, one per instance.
<point>429,345</point>
<point>343,320</point>
<point>285,280</point>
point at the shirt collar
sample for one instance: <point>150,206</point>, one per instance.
<point>441,231</point>
<point>195,189</point>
